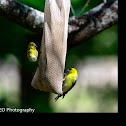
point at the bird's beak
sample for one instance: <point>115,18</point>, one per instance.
<point>36,46</point>
<point>68,70</point>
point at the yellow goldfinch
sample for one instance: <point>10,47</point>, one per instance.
<point>68,82</point>
<point>32,52</point>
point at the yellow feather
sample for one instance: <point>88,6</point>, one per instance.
<point>68,82</point>
<point>32,52</point>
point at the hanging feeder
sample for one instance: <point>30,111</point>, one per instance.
<point>50,70</point>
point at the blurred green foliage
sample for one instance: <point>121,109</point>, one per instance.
<point>14,40</point>
<point>91,100</point>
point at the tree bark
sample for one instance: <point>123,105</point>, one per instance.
<point>91,23</point>
<point>23,15</point>
<point>81,28</point>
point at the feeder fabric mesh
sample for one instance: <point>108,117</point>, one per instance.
<point>49,74</point>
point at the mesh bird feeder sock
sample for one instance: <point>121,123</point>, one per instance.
<point>49,74</point>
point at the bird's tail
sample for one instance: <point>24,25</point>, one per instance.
<point>57,97</point>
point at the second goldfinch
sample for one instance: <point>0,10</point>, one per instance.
<point>32,52</point>
<point>68,82</point>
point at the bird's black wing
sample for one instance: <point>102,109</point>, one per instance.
<point>71,87</point>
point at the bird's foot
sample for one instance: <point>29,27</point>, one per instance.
<point>57,97</point>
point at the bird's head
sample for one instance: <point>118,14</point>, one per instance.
<point>72,70</point>
<point>32,45</point>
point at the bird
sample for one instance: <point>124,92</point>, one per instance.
<point>32,52</point>
<point>68,82</point>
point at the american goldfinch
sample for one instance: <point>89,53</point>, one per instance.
<point>32,52</point>
<point>68,82</point>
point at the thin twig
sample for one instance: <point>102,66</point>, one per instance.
<point>84,7</point>
<point>72,10</point>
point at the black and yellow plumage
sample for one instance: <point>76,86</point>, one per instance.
<point>32,52</point>
<point>68,82</point>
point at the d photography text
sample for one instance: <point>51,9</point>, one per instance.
<point>29,110</point>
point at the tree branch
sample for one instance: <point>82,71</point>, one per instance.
<point>23,15</point>
<point>72,10</point>
<point>91,23</point>
<point>84,7</point>
<point>81,28</point>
